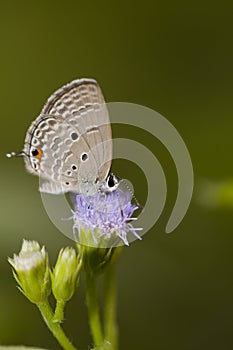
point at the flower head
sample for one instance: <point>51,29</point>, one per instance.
<point>31,271</point>
<point>106,216</point>
<point>65,274</point>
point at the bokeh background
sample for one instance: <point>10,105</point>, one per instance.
<point>174,291</point>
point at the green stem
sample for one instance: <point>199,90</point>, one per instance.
<point>110,319</point>
<point>55,328</point>
<point>93,310</point>
<point>59,311</point>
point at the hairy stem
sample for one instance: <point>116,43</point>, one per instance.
<point>59,311</point>
<point>93,309</point>
<point>110,319</point>
<point>55,327</point>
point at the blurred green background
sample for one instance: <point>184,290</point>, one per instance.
<point>174,291</point>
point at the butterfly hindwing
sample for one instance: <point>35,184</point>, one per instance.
<point>73,138</point>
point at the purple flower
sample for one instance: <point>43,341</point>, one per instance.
<point>106,216</point>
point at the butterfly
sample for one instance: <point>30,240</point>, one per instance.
<point>69,145</point>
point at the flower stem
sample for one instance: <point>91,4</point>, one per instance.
<point>54,327</point>
<point>93,310</point>
<point>59,311</point>
<point>110,322</point>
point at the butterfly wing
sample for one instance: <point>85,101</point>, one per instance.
<point>77,148</point>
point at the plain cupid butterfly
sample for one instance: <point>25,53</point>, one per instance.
<point>69,145</point>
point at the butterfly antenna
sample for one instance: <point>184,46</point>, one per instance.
<point>13,154</point>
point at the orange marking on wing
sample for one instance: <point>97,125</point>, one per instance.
<point>39,155</point>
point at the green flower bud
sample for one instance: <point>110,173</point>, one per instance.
<point>65,274</point>
<point>31,271</point>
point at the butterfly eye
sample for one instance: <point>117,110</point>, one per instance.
<point>37,153</point>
